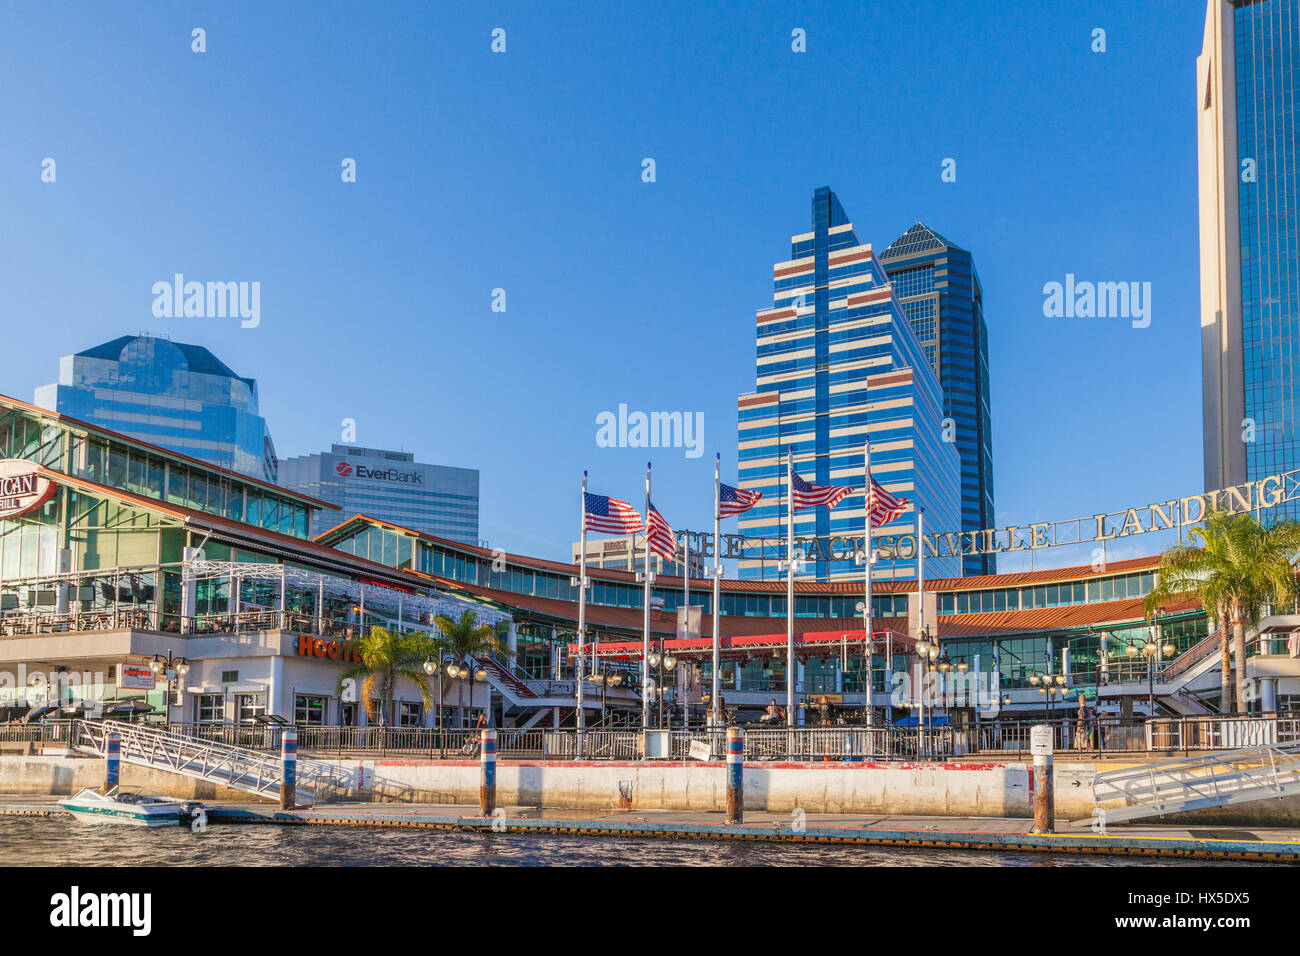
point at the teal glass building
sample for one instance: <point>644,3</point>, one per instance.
<point>837,359</point>
<point>1248,110</point>
<point>936,282</point>
<point>176,396</point>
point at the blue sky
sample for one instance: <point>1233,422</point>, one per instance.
<point>522,171</point>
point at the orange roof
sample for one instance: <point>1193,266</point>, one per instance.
<point>1051,618</point>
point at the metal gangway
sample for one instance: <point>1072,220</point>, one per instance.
<point>1194,783</point>
<point>235,767</point>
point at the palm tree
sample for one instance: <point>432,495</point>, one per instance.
<point>462,639</point>
<point>387,657</point>
<point>1235,567</point>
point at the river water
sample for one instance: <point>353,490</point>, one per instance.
<point>45,841</point>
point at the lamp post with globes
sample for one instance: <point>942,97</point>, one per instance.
<point>1050,686</point>
<point>927,652</point>
<point>605,680</point>
<point>661,660</point>
<point>1152,650</point>
<point>172,669</point>
<point>866,661</point>
<point>438,669</point>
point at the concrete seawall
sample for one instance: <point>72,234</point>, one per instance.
<point>64,776</point>
<point>974,789</point>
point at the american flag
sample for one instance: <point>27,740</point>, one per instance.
<point>810,496</point>
<point>885,507</point>
<point>611,516</point>
<point>660,536</point>
<point>735,501</point>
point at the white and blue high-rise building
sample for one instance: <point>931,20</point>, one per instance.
<point>389,486</point>
<point>837,359</point>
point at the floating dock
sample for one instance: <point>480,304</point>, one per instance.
<point>953,833</point>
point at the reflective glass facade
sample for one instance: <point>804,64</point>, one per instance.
<point>940,292</point>
<point>837,360</point>
<point>389,485</point>
<point>169,394</point>
<point>1267,64</point>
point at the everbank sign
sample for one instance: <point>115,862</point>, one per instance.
<point>22,487</point>
<point>345,470</point>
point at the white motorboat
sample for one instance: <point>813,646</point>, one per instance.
<point>130,806</point>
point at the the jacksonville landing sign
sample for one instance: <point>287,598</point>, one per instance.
<point>1174,514</point>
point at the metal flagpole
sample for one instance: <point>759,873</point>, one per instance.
<point>686,572</point>
<point>717,584</point>
<point>686,597</point>
<point>789,589</point>
<point>647,577</point>
<point>581,672</point>
<point>920,594</point>
<point>866,561</point>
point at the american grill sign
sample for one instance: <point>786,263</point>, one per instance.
<point>22,487</point>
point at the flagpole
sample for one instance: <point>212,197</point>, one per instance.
<point>920,594</point>
<point>866,603</point>
<point>645,632</point>
<point>789,589</point>
<point>686,574</point>
<point>580,673</point>
<point>717,583</point>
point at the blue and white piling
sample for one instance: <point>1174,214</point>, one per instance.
<point>735,775</point>
<point>487,791</point>
<point>289,770</point>
<point>112,760</point>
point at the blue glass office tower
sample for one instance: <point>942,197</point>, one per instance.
<point>940,291</point>
<point>837,359</point>
<point>389,485</point>
<point>169,394</point>
<point>1248,103</point>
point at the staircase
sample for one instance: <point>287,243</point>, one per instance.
<point>1194,783</point>
<point>505,682</point>
<point>238,768</point>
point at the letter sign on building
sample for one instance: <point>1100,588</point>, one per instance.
<point>22,487</point>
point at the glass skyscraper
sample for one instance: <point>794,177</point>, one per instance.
<point>837,359</point>
<point>1247,99</point>
<point>940,291</point>
<point>177,396</point>
<point>390,486</point>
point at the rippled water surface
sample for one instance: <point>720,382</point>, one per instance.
<point>41,841</point>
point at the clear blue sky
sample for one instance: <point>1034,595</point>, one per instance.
<point>522,171</point>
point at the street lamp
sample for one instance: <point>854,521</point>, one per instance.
<point>1151,650</point>
<point>171,668</point>
<point>866,658</point>
<point>1049,686</point>
<point>432,668</point>
<point>605,680</point>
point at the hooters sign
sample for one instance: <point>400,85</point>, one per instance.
<point>22,487</point>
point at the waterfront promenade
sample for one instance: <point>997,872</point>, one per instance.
<point>1224,844</point>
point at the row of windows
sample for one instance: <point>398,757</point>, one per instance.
<point>1047,595</point>
<point>121,466</point>
<point>458,567</point>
